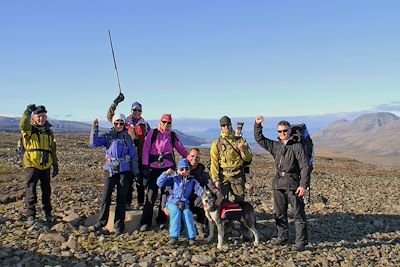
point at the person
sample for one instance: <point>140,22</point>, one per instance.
<point>120,166</point>
<point>183,185</point>
<point>137,129</point>
<point>228,155</point>
<point>39,156</point>
<point>289,183</point>
<point>157,157</point>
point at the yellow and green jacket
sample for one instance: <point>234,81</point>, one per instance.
<point>36,140</point>
<point>225,161</point>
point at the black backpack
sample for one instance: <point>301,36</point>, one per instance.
<point>301,135</point>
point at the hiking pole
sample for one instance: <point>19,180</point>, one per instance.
<point>115,63</point>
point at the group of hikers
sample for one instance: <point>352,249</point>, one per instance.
<point>141,157</point>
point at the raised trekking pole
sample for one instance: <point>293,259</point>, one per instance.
<point>115,63</point>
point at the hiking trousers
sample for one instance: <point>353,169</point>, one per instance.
<point>151,197</point>
<point>34,175</point>
<point>121,181</point>
<point>175,218</point>
<point>235,186</point>
<point>281,200</point>
<point>139,189</point>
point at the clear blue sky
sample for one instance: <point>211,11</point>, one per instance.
<point>200,59</point>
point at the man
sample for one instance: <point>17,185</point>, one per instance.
<point>39,155</point>
<point>137,129</point>
<point>228,155</point>
<point>289,183</point>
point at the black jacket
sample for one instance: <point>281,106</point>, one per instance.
<point>289,159</point>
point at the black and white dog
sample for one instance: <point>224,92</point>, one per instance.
<point>245,214</point>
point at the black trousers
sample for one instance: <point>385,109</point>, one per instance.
<point>139,189</point>
<point>34,175</point>
<point>121,181</point>
<point>151,197</point>
<point>281,200</point>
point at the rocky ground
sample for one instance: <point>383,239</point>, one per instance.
<point>353,213</point>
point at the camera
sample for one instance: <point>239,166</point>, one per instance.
<point>44,157</point>
<point>160,159</point>
<point>239,128</point>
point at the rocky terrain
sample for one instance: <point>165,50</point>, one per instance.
<point>353,213</point>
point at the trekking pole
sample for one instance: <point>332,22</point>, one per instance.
<point>115,63</point>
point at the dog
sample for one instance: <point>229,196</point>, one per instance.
<point>242,212</point>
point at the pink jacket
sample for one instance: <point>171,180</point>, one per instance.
<point>162,145</point>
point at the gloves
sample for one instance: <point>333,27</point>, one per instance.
<point>119,99</point>
<point>30,108</point>
<point>55,171</point>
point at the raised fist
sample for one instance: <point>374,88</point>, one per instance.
<point>119,99</point>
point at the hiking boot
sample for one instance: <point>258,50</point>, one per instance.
<point>118,232</point>
<point>98,226</point>
<point>140,206</point>
<point>279,241</point>
<point>191,241</point>
<point>173,242</point>
<point>298,247</point>
<point>144,228</point>
<point>31,220</point>
<point>49,218</point>
<point>128,207</point>
<point>162,226</point>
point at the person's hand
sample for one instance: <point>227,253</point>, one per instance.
<point>219,199</point>
<point>259,119</point>
<point>240,144</point>
<point>119,99</point>
<point>31,108</point>
<point>55,170</point>
<point>217,184</point>
<point>198,203</point>
<point>170,171</point>
<point>301,191</point>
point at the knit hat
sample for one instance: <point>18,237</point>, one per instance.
<point>40,109</point>
<point>136,105</point>
<point>225,120</point>
<point>183,163</point>
<point>166,117</point>
<point>117,117</point>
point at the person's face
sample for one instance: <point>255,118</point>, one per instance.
<point>119,125</point>
<point>185,171</point>
<point>225,128</point>
<point>194,158</point>
<point>283,132</point>
<point>166,125</point>
<point>137,113</point>
<point>39,119</point>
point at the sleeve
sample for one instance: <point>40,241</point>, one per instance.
<point>95,140</point>
<point>111,112</point>
<point>146,148</point>
<point>134,156</point>
<point>164,180</point>
<point>264,142</point>
<point>303,165</point>
<point>198,189</point>
<point>53,149</point>
<point>180,148</point>
<point>25,124</point>
<point>214,161</point>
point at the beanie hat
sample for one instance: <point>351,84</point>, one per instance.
<point>136,105</point>
<point>183,163</point>
<point>40,109</point>
<point>225,120</point>
<point>117,117</point>
<point>166,117</point>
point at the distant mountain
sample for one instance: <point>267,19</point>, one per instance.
<point>82,128</point>
<point>375,133</point>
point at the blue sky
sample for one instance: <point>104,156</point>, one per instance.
<point>200,59</point>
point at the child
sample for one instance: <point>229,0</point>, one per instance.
<point>178,200</point>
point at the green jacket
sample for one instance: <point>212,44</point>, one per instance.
<point>37,140</point>
<point>226,160</point>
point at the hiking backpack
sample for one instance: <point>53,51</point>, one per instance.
<point>301,135</point>
<point>117,156</point>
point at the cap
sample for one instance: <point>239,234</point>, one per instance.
<point>166,117</point>
<point>40,109</point>
<point>183,163</point>
<point>117,117</point>
<point>225,120</point>
<point>136,105</point>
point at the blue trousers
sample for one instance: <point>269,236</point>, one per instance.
<point>175,218</point>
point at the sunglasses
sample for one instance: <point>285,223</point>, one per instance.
<point>167,122</point>
<point>138,110</point>
<point>283,131</point>
<point>119,123</point>
<point>184,169</point>
<point>225,125</point>
<point>195,156</point>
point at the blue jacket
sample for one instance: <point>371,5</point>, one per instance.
<point>126,163</point>
<point>182,187</point>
